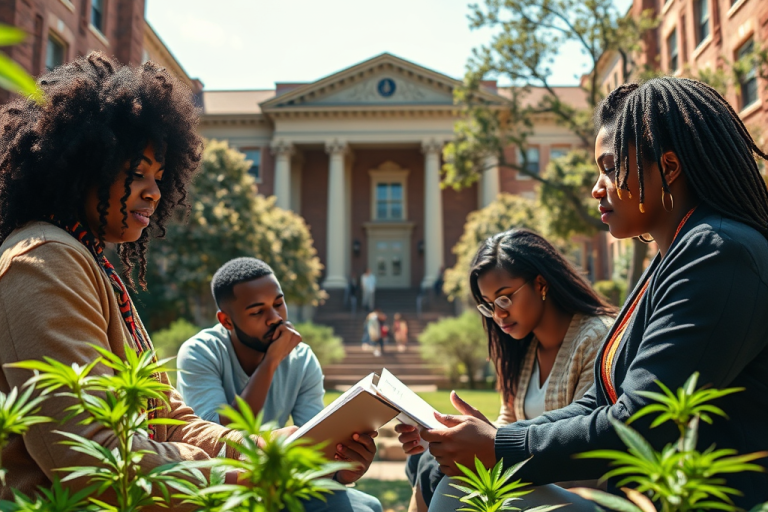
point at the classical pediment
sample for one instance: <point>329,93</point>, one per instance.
<point>387,88</point>
<point>383,81</point>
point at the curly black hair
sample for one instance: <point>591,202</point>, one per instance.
<point>97,115</point>
<point>233,272</point>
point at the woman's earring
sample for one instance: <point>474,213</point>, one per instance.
<point>671,201</point>
<point>543,295</point>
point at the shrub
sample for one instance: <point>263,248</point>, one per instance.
<point>614,291</point>
<point>328,347</point>
<point>168,341</point>
<point>459,344</point>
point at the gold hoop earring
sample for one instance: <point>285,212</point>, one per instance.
<point>645,240</point>
<point>671,201</point>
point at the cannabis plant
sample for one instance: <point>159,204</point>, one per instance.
<point>679,478</point>
<point>12,76</point>
<point>17,415</point>
<point>116,401</point>
<point>489,491</point>
<point>274,474</point>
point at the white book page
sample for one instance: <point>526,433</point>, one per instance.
<point>364,386</point>
<point>411,404</point>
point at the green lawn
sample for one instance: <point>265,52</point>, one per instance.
<point>487,402</point>
<point>394,495</point>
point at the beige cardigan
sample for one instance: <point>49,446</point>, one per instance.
<point>54,301</point>
<point>572,374</point>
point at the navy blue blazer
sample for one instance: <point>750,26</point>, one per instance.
<point>706,311</point>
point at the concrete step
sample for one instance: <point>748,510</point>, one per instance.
<point>399,369</point>
<point>421,381</point>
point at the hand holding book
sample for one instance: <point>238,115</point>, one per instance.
<point>366,407</point>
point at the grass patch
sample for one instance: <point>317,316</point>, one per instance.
<point>487,402</point>
<point>394,495</point>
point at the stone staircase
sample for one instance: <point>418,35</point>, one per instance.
<point>408,366</point>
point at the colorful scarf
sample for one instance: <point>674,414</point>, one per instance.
<point>612,347</point>
<point>140,341</point>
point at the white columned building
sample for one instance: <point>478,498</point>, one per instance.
<point>358,153</point>
<point>433,212</point>
<point>283,152</point>
<point>336,263</point>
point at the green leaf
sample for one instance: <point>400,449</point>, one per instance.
<point>10,36</point>
<point>14,78</point>
<point>634,441</point>
<point>606,500</point>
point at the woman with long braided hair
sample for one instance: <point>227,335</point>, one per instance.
<point>106,159</point>
<point>676,164</point>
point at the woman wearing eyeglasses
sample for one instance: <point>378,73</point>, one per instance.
<point>545,325</point>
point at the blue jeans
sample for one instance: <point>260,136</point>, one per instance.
<point>350,500</point>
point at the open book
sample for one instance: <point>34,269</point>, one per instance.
<point>365,407</point>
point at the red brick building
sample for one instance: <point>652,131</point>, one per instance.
<point>358,155</point>
<point>62,30</point>
<point>701,35</point>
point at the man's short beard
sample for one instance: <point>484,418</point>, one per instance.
<point>254,343</point>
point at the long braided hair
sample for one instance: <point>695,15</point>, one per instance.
<point>694,121</point>
<point>525,254</point>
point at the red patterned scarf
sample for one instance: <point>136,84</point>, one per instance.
<point>140,341</point>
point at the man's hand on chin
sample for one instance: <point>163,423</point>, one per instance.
<point>284,340</point>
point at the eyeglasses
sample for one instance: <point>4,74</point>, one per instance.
<point>503,301</point>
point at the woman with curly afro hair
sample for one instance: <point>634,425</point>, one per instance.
<point>107,158</point>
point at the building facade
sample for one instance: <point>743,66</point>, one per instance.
<point>702,36</point>
<point>62,30</point>
<point>358,155</point>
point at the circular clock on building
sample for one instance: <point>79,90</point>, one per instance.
<point>386,87</point>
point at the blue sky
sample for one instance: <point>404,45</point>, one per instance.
<point>251,44</point>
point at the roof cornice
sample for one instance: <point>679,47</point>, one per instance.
<point>295,98</point>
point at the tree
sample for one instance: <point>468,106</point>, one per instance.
<point>228,219</point>
<point>507,212</point>
<point>459,344</point>
<point>529,36</point>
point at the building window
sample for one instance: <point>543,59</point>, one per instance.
<point>673,52</point>
<point>54,53</point>
<point>254,155</point>
<point>702,17</point>
<point>557,153</point>
<point>389,201</point>
<point>532,164</point>
<point>97,14</point>
<point>748,79</point>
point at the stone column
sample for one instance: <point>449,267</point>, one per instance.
<point>283,152</point>
<point>336,251</point>
<point>490,182</point>
<point>433,212</point>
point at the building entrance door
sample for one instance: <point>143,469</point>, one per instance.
<point>389,255</point>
